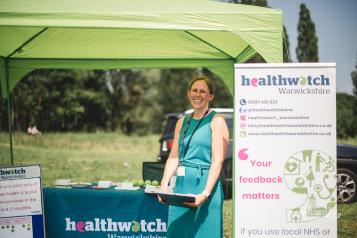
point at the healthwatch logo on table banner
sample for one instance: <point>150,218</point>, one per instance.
<point>107,224</point>
<point>317,82</point>
<point>12,173</point>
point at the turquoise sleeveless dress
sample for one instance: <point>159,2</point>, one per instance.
<point>206,220</point>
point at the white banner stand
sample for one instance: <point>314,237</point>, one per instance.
<point>285,150</point>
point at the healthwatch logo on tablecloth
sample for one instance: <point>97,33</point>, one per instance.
<point>107,224</point>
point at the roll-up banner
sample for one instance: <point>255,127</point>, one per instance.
<point>285,150</point>
<point>21,203</point>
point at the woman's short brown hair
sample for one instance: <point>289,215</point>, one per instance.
<point>203,78</point>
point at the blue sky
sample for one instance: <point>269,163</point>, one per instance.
<point>336,28</point>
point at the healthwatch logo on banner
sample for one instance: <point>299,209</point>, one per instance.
<point>291,85</point>
<point>280,80</point>
<point>108,225</point>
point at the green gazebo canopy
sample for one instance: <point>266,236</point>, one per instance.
<point>96,34</point>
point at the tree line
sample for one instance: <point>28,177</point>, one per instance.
<point>131,101</point>
<point>307,51</point>
<point>347,110</point>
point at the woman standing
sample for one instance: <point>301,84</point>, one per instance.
<point>197,156</point>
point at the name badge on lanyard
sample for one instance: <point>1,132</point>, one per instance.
<point>180,171</point>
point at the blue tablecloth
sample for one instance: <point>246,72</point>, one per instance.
<point>103,213</point>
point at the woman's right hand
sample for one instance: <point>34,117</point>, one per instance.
<point>162,188</point>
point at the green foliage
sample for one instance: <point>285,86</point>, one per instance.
<point>347,111</point>
<point>140,111</point>
<point>286,51</point>
<point>60,100</point>
<point>132,101</point>
<point>345,116</point>
<point>85,100</point>
<point>307,49</point>
<point>354,80</point>
<point>173,87</point>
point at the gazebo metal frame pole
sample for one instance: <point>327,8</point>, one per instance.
<point>9,112</point>
<point>8,94</point>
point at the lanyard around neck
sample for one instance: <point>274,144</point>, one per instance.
<point>185,131</point>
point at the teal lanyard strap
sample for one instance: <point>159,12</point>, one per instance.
<point>184,134</point>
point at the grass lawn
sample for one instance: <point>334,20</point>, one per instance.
<point>351,141</point>
<point>85,157</point>
<point>347,222</point>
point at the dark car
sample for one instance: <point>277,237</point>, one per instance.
<point>346,173</point>
<point>346,158</point>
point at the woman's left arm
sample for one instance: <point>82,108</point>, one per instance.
<point>220,139</point>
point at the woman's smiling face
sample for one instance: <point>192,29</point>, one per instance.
<point>199,95</point>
